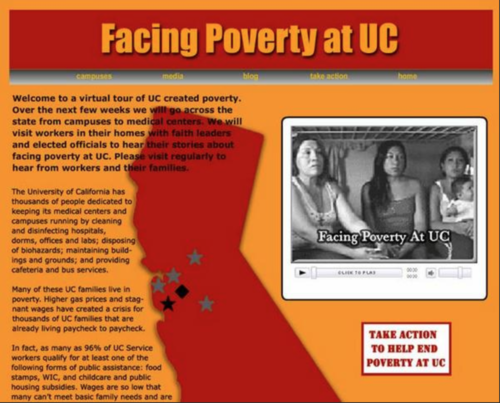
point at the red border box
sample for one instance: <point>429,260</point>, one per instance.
<point>404,323</point>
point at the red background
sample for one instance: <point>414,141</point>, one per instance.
<point>427,39</point>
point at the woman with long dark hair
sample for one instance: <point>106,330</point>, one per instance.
<point>393,202</point>
<point>453,163</point>
<point>318,203</point>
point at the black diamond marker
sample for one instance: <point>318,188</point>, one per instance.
<point>182,291</point>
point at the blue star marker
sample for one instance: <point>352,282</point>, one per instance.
<point>158,285</point>
<point>206,304</point>
<point>194,258</point>
<point>173,276</point>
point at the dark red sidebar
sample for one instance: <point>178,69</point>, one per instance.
<point>222,332</point>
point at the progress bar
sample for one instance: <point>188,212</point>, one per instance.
<point>325,272</point>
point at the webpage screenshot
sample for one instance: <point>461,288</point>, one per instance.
<point>249,202</point>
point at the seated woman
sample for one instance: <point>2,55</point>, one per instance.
<point>453,163</point>
<point>393,202</point>
<point>318,203</point>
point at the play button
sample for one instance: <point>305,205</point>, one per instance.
<point>303,272</point>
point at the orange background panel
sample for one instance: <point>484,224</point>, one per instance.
<point>331,331</point>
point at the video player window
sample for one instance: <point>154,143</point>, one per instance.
<point>383,191</point>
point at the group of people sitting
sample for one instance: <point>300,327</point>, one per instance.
<point>391,202</point>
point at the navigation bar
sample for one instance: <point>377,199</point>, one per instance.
<point>252,77</point>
